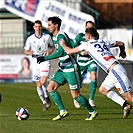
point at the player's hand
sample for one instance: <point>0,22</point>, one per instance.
<point>122,54</point>
<point>47,52</point>
<point>31,52</point>
<point>40,59</point>
<point>83,53</point>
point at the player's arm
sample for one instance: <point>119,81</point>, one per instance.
<point>55,55</point>
<point>121,45</point>
<point>28,52</point>
<point>27,47</point>
<point>50,50</point>
<point>67,49</point>
<point>76,41</point>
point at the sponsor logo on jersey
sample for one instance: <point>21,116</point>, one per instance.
<point>109,57</point>
<point>40,49</point>
<point>44,70</point>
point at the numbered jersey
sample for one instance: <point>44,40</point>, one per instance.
<point>99,50</point>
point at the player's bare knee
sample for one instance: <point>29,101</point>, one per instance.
<point>130,99</point>
<point>52,87</point>
<point>103,90</point>
<point>43,82</point>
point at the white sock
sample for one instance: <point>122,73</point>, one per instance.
<point>44,88</point>
<point>92,112</point>
<point>41,95</point>
<point>116,98</point>
<point>62,110</point>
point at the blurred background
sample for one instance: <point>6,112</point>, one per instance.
<point>112,18</point>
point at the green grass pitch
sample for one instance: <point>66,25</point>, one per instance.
<point>109,118</point>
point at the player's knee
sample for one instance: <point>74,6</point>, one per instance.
<point>52,87</point>
<point>130,99</point>
<point>103,91</point>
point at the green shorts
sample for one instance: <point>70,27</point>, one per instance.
<point>73,79</point>
<point>91,67</point>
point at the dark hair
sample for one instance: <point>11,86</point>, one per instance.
<point>37,22</point>
<point>92,31</point>
<point>90,22</point>
<point>55,20</point>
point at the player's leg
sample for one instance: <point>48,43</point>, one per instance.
<point>44,73</point>
<point>127,107</point>
<point>106,86</point>
<point>117,99</point>
<point>44,84</point>
<point>83,70</point>
<point>57,80</point>
<point>92,67</point>
<point>123,84</point>
<point>128,96</point>
<point>111,95</point>
<point>36,78</point>
<point>74,81</point>
<point>41,95</point>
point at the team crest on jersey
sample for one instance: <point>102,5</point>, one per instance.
<point>40,49</point>
<point>44,41</point>
<point>56,46</point>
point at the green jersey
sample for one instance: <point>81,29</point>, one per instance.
<point>83,61</point>
<point>67,62</point>
<point>68,70</point>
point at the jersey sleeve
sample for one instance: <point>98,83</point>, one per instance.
<point>77,40</point>
<point>82,46</point>
<point>27,44</point>
<point>59,53</point>
<point>50,42</point>
<point>111,43</point>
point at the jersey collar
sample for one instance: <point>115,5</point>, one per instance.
<point>37,36</point>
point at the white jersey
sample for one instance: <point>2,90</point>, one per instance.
<point>99,50</point>
<point>39,46</point>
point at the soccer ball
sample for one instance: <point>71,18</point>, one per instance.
<point>22,113</point>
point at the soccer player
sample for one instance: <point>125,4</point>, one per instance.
<point>68,72</point>
<point>40,44</point>
<point>86,63</point>
<point>99,50</point>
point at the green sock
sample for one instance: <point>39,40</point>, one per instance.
<point>84,102</point>
<point>93,86</point>
<point>57,99</point>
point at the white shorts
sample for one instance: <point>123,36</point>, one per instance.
<point>39,70</point>
<point>117,77</point>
